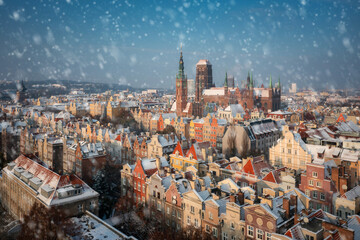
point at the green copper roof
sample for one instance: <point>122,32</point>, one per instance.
<point>279,83</point>
<point>226,80</point>
<point>251,81</point>
<point>181,73</point>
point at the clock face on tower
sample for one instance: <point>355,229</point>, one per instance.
<point>178,84</point>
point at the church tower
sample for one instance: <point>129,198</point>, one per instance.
<point>181,88</point>
<point>21,93</point>
<point>203,79</point>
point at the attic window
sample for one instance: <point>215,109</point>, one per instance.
<point>177,153</point>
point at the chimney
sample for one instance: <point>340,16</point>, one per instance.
<point>296,218</point>
<point>241,197</point>
<point>203,151</point>
<point>286,207</point>
<point>341,171</point>
<point>335,176</point>
<point>293,202</point>
<point>232,198</point>
<point>158,163</point>
<point>343,185</point>
<point>192,183</point>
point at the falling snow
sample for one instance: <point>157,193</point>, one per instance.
<point>139,42</point>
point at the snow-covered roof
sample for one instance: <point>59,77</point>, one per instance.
<point>203,62</point>
<point>352,194</point>
<point>49,181</point>
<point>93,227</point>
<point>354,224</point>
<point>214,92</point>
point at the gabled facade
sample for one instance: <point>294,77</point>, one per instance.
<point>290,152</point>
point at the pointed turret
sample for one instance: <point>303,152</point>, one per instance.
<point>279,86</point>
<point>270,84</point>
<point>226,80</point>
<point>251,81</point>
<point>181,64</point>
<point>181,87</point>
<point>23,88</point>
<point>247,85</point>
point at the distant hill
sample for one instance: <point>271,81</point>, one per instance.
<point>58,87</point>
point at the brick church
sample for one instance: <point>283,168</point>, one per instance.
<point>267,99</point>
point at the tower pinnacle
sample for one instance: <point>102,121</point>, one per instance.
<point>226,80</point>
<point>251,81</point>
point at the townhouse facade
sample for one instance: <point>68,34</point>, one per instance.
<point>290,152</point>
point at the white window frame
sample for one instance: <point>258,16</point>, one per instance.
<point>214,232</point>
<point>315,194</point>
<point>250,228</point>
<point>311,182</point>
<point>196,222</point>
<point>322,196</point>
<point>258,233</point>
<point>225,236</point>
<point>267,236</point>
<point>315,174</point>
<point>207,228</point>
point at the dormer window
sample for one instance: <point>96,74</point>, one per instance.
<point>177,153</point>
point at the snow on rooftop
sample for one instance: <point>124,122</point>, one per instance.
<point>203,62</point>
<point>92,227</point>
<point>214,91</point>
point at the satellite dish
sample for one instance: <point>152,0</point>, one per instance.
<point>306,220</point>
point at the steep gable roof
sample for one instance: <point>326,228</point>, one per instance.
<point>178,148</point>
<point>192,152</point>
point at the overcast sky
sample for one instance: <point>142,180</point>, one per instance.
<point>312,43</point>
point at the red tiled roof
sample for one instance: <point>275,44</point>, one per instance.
<point>178,148</point>
<point>248,168</point>
<point>118,138</point>
<point>341,118</point>
<point>255,166</point>
<point>150,172</point>
<point>41,172</point>
<point>288,233</point>
<point>193,152</point>
<point>270,177</point>
<point>69,180</point>
<point>336,235</point>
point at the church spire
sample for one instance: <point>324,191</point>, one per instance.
<point>226,80</point>
<point>181,64</point>
<point>270,84</point>
<point>248,80</point>
<point>251,81</point>
<point>279,86</point>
